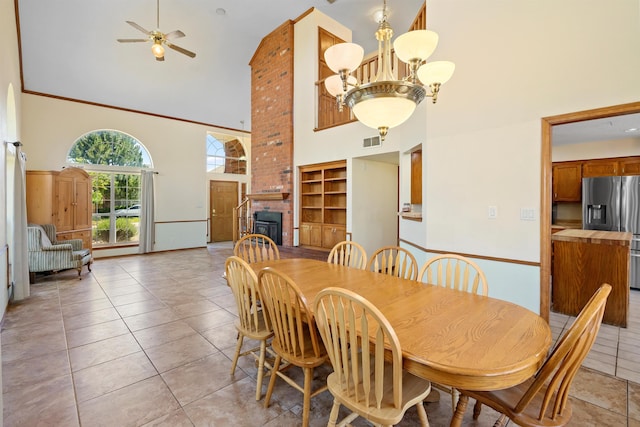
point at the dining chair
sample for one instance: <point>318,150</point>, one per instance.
<point>543,399</point>
<point>256,248</point>
<point>454,272</point>
<point>295,335</point>
<point>395,261</point>
<point>348,253</point>
<point>365,381</point>
<point>252,321</point>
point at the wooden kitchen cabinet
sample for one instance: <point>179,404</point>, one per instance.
<point>62,198</point>
<point>600,167</point>
<point>567,181</point>
<point>629,166</point>
<point>416,177</point>
<point>323,204</point>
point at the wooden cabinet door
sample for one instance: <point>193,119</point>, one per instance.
<point>416,177</point>
<point>630,166</point>
<point>311,235</point>
<point>567,182</point>
<point>82,203</point>
<point>332,234</point>
<point>604,167</point>
<point>63,203</point>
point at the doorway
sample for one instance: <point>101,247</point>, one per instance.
<point>223,197</point>
<point>546,190</point>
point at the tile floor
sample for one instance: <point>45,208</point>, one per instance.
<point>147,341</point>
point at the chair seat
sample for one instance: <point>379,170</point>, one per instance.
<point>414,390</point>
<point>261,332</point>
<point>78,255</point>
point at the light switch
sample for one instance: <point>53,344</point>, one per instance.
<point>493,212</point>
<point>527,214</point>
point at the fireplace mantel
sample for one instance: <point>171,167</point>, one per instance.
<point>268,196</point>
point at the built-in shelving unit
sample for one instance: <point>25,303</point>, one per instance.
<point>323,204</point>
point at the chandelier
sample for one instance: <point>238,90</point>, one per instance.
<point>386,102</point>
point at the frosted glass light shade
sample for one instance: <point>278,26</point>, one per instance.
<point>344,56</point>
<point>383,112</point>
<point>334,84</point>
<point>158,50</point>
<point>415,45</point>
<point>436,72</point>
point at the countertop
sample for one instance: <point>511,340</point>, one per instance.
<point>593,236</point>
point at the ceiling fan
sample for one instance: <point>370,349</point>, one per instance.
<point>159,38</point>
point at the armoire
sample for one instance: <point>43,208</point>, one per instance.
<point>62,198</point>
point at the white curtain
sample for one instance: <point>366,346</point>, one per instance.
<point>147,235</point>
<point>20,260</point>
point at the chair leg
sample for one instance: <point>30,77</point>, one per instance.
<point>306,406</point>
<point>456,420</point>
<point>422,415</point>
<point>263,354</point>
<point>333,417</point>
<point>237,354</point>
<point>89,266</point>
<point>272,380</point>
<point>502,421</point>
<point>455,395</point>
<point>476,410</point>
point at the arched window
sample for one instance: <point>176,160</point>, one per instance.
<point>225,154</point>
<point>114,160</point>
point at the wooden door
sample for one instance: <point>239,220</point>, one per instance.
<point>567,182</point>
<point>223,197</point>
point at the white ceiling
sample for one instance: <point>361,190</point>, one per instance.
<point>607,129</point>
<point>69,49</point>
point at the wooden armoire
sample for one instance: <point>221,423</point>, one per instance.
<point>62,198</point>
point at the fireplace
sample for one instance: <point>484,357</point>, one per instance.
<point>268,223</point>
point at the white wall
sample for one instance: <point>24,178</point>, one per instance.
<point>177,149</point>
<point>516,62</point>
<point>368,213</point>
<point>596,150</point>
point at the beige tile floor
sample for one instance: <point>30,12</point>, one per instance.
<point>147,340</point>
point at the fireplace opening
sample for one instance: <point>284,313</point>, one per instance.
<point>268,223</point>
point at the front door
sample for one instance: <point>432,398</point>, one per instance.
<point>223,196</point>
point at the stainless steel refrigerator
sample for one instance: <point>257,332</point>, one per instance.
<point>612,203</point>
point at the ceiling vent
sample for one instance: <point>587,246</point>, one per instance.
<point>374,141</point>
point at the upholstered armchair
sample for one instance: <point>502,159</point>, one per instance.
<point>47,254</point>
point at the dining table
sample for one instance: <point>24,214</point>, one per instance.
<point>451,337</point>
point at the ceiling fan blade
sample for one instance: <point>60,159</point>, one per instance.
<point>174,35</point>
<point>138,27</point>
<point>181,50</point>
<point>132,40</point>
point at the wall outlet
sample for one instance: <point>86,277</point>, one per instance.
<point>492,212</point>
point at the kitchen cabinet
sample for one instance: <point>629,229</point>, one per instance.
<point>582,261</point>
<point>62,198</point>
<point>567,181</point>
<point>600,167</point>
<point>416,177</point>
<point>629,166</point>
<point>323,204</point>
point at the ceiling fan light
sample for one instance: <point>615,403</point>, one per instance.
<point>415,45</point>
<point>436,72</point>
<point>158,50</point>
<point>344,56</point>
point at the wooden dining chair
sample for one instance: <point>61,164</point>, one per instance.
<point>362,380</point>
<point>454,272</point>
<point>348,253</point>
<point>295,335</point>
<point>543,399</point>
<point>256,248</point>
<point>252,322</point>
<point>395,261</point>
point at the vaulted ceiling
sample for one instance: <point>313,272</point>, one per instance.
<point>69,49</point>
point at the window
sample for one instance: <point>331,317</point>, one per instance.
<point>114,160</point>
<point>225,155</point>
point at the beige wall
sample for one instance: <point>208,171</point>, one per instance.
<point>177,149</point>
<point>516,62</point>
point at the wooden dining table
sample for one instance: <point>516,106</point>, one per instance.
<point>451,337</point>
